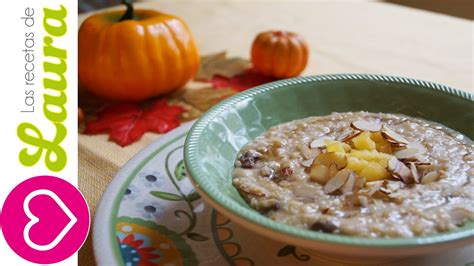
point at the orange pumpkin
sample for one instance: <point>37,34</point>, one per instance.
<point>279,54</point>
<point>135,55</point>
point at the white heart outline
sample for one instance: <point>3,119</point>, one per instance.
<point>34,220</point>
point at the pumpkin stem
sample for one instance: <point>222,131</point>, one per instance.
<point>129,12</point>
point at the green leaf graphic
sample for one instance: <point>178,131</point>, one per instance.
<point>166,195</point>
<point>180,171</point>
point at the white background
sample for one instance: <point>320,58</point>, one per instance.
<point>12,61</point>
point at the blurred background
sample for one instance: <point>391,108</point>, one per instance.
<point>456,8</point>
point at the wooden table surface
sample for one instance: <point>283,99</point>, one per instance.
<point>344,36</point>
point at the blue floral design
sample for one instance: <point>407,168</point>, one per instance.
<point>150,209</point>
<point>152,179</point>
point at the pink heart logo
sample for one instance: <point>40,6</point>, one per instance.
<point>51,231</point>
<point>45,219</point>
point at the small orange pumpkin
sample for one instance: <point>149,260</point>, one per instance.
<point>80,115</point>
<point>135,55</point>
<point>279,54</point>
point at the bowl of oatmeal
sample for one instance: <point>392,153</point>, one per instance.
<point>381,166</point>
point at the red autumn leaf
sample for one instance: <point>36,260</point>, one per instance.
<point>250,78</point>
<point>127,123</point>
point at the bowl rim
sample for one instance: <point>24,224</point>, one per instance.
<point>217,197</point>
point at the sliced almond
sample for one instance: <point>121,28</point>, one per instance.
<point>366,126</point>
<point>400,171</point>
<point>396,145</point>
<point>414,172</point>
<point>350,137</point>
<point>319,173</point>
<point>319,142</point>
<point>372,187</point>
<point>406,153</point>
<point>419,164</point>
<point>393,164</point>
<point>385,190</point>
<point>417,145</point>
<point>337,181</point>
<point>307,163</point>
<point>346,133</point>
<point>430,177</point>
<point>304,151</point>
<point>349,185</point>
<point>417,159</point>
<point>392,136</point>
<point>393,186</point>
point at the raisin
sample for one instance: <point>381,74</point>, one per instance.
<point>248,163</point>
<point>324,226</point>
<point>249,159</point>
<point>282,174</point>
<point>287,171</point>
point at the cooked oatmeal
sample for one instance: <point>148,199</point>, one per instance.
<point>360,173</point>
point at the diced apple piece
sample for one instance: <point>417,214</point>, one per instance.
<point>332,157</point>
<point>356,164</point>
<point>384,147</point>
<point>332,170</point>
<point>374,171</point>
<point>381,144</point>
<point>364,142</point>
<point>383,159</point>
<point>319,173</point>
<point>358,154</point>
<point>377,137</point>
<point>373,156</point>
<point>335,146</point>
<point>383,162</point>
<point>346,147</point>
<point>363,155</point>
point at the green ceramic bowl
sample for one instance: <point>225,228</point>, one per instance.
<point>214,141</point>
